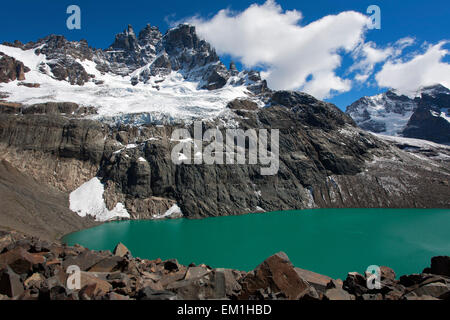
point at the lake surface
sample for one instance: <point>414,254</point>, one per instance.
<point>328,241</point>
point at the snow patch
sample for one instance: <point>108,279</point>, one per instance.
<point>175,210</point>
<point>88,200</point>
<point>418,143</point>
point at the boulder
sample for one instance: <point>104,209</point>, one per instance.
<point>86,260</point>
<point>20,260</point>
<point>335,284</point>
<point>387,273</point>
<point>276,273</point>
<point>35,280</point>
<point>172,277</point>
<point>10,284</point>
<point>440,266</point>
<point>110,264</point>
<point>436,290</point>
<point>413,279</point>
<point>312,295</point>
<point>120,282</point>
<point>121,250</point>
<point>355,284</point>
<point>92,286</point>
<point>196,272</point>
<point>337,294</point>
<point>197,288</point>
<point>232,286</point>
<point>318,281</point>
<point>58,293</point>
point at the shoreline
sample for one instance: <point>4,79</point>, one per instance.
<point>254,237</point>
<point>33,269</point>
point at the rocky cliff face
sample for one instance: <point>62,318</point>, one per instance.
<point>325,161</point>
<point>11,69</point>
<point>424,117</point>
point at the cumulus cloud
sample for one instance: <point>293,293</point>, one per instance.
<point>368,55</point>
<point>424,69</point>
<point>292,56</point>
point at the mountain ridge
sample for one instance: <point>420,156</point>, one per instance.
<point>136,75</point>
<point>425,116</point>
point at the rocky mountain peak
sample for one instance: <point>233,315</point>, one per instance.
<point>183,43</point>
<point>436,91</point>
<point>425,116</point>
<point>233,69</point>
<point>149,35</point>
<point>125,40</point>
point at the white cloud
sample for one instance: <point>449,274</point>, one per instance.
<point>367,56</point>
<point>422,70</point>
<point>292,56</point>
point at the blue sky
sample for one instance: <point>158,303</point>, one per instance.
<point>425,21</point>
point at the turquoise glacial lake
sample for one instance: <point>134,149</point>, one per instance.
<point>328,241</point>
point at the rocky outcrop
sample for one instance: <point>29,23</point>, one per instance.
<point>62,56</point>
<point>431,120</point>
<point>129,52</point>
<point>11,69</point>
<point>243,104</point>
<point>180,49</point>
<point>32,269</point>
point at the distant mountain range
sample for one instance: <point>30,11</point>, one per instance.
<point>425,116</point>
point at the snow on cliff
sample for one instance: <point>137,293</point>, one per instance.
<point>88,200</point>
<point>114,95</point>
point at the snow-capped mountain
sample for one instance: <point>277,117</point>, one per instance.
<point>150,76</point>
<point>424,116</point>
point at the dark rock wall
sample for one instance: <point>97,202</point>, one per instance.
<point>324,162</point>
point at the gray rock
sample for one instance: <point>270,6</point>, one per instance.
<point>10,284</point>
<point>11,69</point>
<point>150,294</point>
<point>435,290</point>
<point>337,294</point>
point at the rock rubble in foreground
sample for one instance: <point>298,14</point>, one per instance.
<point>33,269</point>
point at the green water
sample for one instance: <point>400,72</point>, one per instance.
<point>328,241</point>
